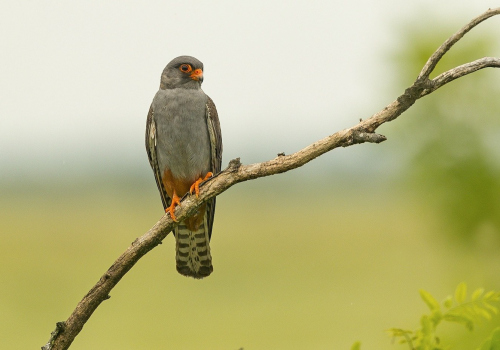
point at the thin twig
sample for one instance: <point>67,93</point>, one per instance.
<point>460,71</point>
<point>236,172</point>
<point>439,53</point>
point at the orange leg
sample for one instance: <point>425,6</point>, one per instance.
<point>196,186</point>
<point>171,209</point>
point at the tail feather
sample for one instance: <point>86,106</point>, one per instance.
<point>193,251</point>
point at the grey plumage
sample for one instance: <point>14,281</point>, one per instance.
<point>183,142</point>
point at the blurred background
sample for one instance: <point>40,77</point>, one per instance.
<point>317,258</point>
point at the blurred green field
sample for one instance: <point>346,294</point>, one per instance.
<point>299,264</point>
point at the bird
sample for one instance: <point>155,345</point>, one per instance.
<point>184,147</point>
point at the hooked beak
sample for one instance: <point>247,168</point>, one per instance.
<point>197,75</point>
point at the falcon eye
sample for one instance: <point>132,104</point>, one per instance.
<point>186,68</point>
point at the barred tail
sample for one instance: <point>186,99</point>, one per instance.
<point>193,251</point>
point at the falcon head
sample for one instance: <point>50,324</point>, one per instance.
<point>182,72</point>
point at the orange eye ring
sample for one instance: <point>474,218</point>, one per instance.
<point>185,68</point>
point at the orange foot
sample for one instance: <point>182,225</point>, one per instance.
<point>196,186</point>
<point>171,209</point>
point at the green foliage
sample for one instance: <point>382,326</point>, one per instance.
<point>357,346</point>
<point>456,309</point>
<point>447,139</point>
<point>493,342</point>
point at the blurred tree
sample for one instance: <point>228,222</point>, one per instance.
<point>448,139</point>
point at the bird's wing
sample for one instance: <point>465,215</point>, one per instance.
<point>215,136</point>
<point>152,155</point>
<point>216,154</point>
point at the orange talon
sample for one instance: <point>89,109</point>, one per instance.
<point>171,209</point>
<point>196,185</point>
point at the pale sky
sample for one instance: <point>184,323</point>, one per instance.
<point>78,77</point>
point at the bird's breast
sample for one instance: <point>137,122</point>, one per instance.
<point>183,144</point>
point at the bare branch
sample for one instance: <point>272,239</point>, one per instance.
<point>363,132</point>
<point>460,71</point>
<point>436,56</point>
